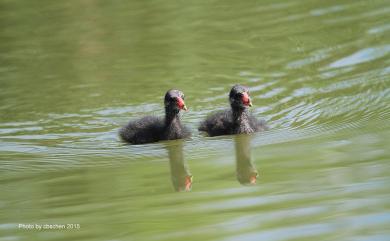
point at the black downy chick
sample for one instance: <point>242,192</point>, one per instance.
<point>237,119</point>
<point>150,129</point>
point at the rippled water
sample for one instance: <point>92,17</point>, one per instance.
<point>72,73</point>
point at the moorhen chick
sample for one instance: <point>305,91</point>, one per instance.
<point>150,129</point>
<point>237,120</point>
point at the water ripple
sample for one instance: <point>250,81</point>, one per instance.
<point>362,56</point>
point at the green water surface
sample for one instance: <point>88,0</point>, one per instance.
<point>73,72</point>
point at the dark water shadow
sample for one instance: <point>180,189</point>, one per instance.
<point>246,171</point>
<point>180,174</point>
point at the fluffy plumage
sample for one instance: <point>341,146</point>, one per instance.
<point>237,120</point>
<point>150,129</point>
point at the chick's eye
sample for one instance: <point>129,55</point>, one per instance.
<point>238,95</point>
<point>172,98</point>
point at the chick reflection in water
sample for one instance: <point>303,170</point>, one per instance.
<point>245,169</point>
<point>180,173</point>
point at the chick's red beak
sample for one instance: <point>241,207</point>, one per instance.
<point>180,104</point>
<point>246,100</point>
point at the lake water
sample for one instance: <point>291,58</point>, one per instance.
<point>72,73</point>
